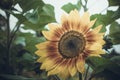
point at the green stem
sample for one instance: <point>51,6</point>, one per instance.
<point>84,6</point>
<point>8,38</point>
<point>80,76</point>
<point>14,32</point>
<point>56,77</point>
<point>86,74</point>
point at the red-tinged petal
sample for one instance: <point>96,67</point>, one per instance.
<point>80,64</point>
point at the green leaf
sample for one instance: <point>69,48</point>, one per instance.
<point>95,62</point>
<point>117,13</point>
<point>47,15</point>
<point>68,7</point>
<point>30,41</point>
<point>32,17</point>
<point>20,17</point>
<point>48,10</point>
<point>38,19</point>
<point>28,57</point>
<point>114,32</point>
<point>27,5</point>
<point>116,59</point>
<point>27,22</point>
<point>20,40</point>
<point>2,54</point>
<point>103,68</point>
<point>104,19</point>
<point>114,2</point>
<point>105,75</point>
<point>16,77</point>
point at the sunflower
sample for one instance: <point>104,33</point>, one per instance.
<point>69,43</point>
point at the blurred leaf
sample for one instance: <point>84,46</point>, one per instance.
<point>94,62</point>
<point>31,40</point>
<point>108,43</point>
<point>16,77</point>
<point>114,2</point>
<point>38,19</point>
<point>104,19</point>
<point>101,68</point>
<point>116,59</point>
<point>27,5</point>
<point>48,10</point>
<point>6,4</point>
<point>117,13</point>
<point>114,32</point>
<point>20,17</point>
<point>68,7</point>
<point>32,17</point>
<point>20,40</point>
<point>28,57</point>
<point>98,64</point>
<point>2,20</point>
<point>28,24</point>
<point>47,15</point>
<point>2,54</point>
<point>105,75</point>
<point>26,21</point>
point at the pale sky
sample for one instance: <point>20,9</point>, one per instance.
<point>94,6</point>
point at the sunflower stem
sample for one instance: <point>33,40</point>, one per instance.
<point>56,77</point>
<point>14,33</point>
<point>80,76</point>
<point>86,74</point>
<point>8,38</point>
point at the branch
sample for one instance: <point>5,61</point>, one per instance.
<point>84,6</point>
<point>8,37</point>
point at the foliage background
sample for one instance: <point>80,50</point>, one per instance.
<point>17,47</point>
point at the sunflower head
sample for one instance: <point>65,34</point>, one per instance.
<point>69,43</point>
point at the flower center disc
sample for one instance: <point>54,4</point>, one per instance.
<point>71,44</point>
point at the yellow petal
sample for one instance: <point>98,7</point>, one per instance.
<point>64,74</point>
<point>74,17</point>
<point>87,27</point>
<point>85,19</point>
<point>94,46</point>
<point>48,35</point>
<point>48,63</point>
<point>94,55</point>
<point>64,18</point>
<point>100,41</point>
<point>43,66</point>
<point>97,29</point>
<point>59,68</point>
<point>97,52</point>
<point>56,70</point>
<point>53,35</point>
<point>41,59</point>
<point>72,68</point>
<point>53,26</point>
<point>42,45</point>
<point>42,53</point>
<point>95,38</point>
<point>53,62</point>
<point>80,64</point>
<point>66,23</point>
<point>92,23</point>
